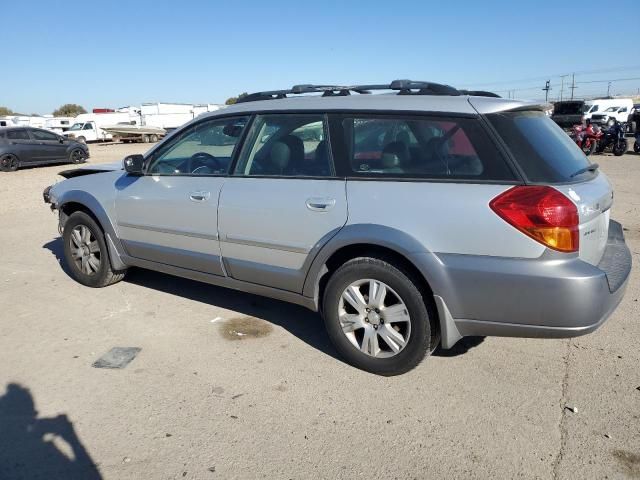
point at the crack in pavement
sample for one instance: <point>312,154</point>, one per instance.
<point>563,415</point>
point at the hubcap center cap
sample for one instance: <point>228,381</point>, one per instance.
<point>374,318</point>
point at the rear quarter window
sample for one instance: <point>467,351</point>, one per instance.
<point>543,150</point>
<point>421,147</point>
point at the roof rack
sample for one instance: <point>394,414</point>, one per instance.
<point>403,87</point>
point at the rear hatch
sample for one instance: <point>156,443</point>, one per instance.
<point>547,156</point>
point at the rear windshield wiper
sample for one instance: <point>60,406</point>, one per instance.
<point>591,168</point>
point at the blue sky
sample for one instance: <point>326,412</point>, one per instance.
<point>112,53</point>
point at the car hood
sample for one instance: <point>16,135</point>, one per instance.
<point>91,169</point>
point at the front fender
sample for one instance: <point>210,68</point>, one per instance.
<point>116,251</point>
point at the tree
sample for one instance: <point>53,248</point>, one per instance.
<point>69,110</point>
<point>5,112</point>
<point>232,100</point>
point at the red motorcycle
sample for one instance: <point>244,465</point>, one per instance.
<point>587,137</point>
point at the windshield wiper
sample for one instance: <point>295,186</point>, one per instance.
<point>591,168</point>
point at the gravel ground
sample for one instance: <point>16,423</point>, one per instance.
<point>199,401</point>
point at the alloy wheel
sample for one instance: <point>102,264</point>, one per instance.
<point>85,250</point>
<point>374,318</point>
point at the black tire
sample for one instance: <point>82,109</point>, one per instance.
<point>102,276</point>
<point>620,147</point>
<point>636,146</point>
<point>81,140</point>
<point>77,156</point>
<point>420,311</point>
<point>588,151</point>
<point>9,162</point>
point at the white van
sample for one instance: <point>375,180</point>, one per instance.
<point>604,111</point>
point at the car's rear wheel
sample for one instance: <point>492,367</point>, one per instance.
<point>9,163</point>
<point>376,316</point>
<point>77,156</point>
<point>85,252</point>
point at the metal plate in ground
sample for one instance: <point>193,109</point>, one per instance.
<point>117,357</point>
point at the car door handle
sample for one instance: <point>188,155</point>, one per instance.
<point>199,196</point>
<point>320,204</point>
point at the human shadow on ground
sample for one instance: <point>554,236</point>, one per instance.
<point>30,446</point>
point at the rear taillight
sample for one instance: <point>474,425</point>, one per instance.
<point>543,213</point>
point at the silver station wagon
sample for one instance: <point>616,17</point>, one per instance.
<point>409,215</point>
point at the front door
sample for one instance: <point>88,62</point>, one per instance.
<point>282,203</point>
<point>49,147</point>
<point>169,215</point>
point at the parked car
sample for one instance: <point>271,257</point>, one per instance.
<point>26,146</point>
<point>408,220</point>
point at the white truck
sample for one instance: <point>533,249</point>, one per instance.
<point>87,126</point>
<point>604,111</point>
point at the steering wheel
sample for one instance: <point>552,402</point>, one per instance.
<point>202,157</point>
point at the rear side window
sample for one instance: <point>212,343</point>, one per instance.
<point>18,135</point>
<point>542,149</point>
<point>286,145</point>
<point>422,147</point>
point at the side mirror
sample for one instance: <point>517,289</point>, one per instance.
<point>61,139</point>
<point>134,164</point>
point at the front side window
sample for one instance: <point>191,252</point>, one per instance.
<point>292,145</point>
<point>17,135</point>
<point>44,136</point>
<point>422,147</point>
<point>203,149</point>
<point>87,126</point>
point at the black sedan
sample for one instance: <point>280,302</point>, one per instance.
<point>24,146</point>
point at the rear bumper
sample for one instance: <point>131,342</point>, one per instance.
<point>553,296</point>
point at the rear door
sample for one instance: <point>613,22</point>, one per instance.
<point>49,146</point>
<point>548,156</point>
<point>170,215</point>
<point>22,145</point>
<point>282,203</point>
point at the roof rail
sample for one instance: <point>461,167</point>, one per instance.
<point>479,93</point>
<point>403,87</point>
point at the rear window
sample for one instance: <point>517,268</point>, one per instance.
<point>542,149</point>
<point>422,147</point>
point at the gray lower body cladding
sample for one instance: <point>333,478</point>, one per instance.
<point>558,296</point>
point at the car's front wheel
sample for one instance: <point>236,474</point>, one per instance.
<point>377,317</point>
<point>85,252</point>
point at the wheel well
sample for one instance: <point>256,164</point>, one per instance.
<point>71,207</point>
<point>344,254</point>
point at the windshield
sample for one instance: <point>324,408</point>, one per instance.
<point>590,108</point>
<point>76,126</point>
<point>545,153</point>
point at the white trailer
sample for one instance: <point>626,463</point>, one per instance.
<point>58,125</point>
